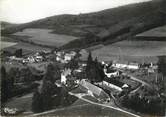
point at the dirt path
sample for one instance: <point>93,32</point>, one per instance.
<point>108,106</point>
<point>54,110</point>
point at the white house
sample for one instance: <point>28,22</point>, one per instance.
<point>125,86</point>
<point>119,65</point>
<point>58,58</point>
<point>116,73</point>
<point>31,59</point>
<point>92,89</point>
<point>39,58</point>
<point>68,57</point>
<point>64,74</point>
<point>112,86</point>
<point>133,66</point>
<point>72,53</point>
<point>15,58</point>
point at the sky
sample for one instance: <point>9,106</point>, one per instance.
<point>22,11</point>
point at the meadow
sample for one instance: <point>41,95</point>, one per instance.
<point>138,51</point>
<point>5,44</point>
<point>87,109</point>
<point>156,32</point>
<point>45,37</point>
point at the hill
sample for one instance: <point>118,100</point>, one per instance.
<point>105,26</point>
<point>6,25</point>
<point>158,33</point>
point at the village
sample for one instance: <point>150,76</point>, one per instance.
<point>110,83</point>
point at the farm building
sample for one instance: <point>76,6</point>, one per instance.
<point>111,73</point>
<point>112,86</point>
<point>94,90</point>
<point>115,84</point>
<point>84,54</point>
<point>155,34</point>
<point>133,66</point>
<point>64,74</point>
<point>126,65</point>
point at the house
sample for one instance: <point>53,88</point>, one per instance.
<point>46,51</point>
<point>31,59</point>
<point>125,65</point>
<point>64,75</point>
<point>120,65</point>
<point>14,58</point>
<point>112,86</point>
<point>125,86</point>
<point>94,90</point>
<point>68,57</point>
<point>133,66</point>
<point>73,53</point>
<point>84,54</point>
<point>39,58</point>
<point>58,58</point>
<point>59,54</point>
<point>110,74</point>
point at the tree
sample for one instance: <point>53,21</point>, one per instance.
<point>3,72</point>
<point>4,85</point>
<point>162,69</point>
<point>94,70</point>
<point>12,74</point>
<point>18,53</point>
<point>37,105</point>
<point>90,60</point>
<point>43,98</point>
<point>89,67</point>
<point>89,63</point>
<point>26,75</point>
<point>64,96</point>
<point>47,92</point>
<point>162,65</point>
<point>73,64</point>
<point>53,73</point>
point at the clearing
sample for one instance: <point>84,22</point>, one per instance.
<point>5,44</point>
<point>45,37</point>
<point>138,51</point>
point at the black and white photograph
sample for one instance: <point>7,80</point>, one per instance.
<point>83,58</point>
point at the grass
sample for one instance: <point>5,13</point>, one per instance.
<point>156,32</point>
<point>139,51</point>
<point>21,103</point>
<point>26,47</point>
<point>88,97</point>
<point>79,89</point>
<point>7,44</point>
<point>87,110</point>
<point>45,37</point>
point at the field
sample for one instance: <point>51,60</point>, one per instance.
<point>21,103</point>
<point>6,44</point>
<point>139,51</point>
<point>45,37</point>
<point>9,44</point>
<point>156,32</point>
<point>87,109</point>
<point>29,47</point>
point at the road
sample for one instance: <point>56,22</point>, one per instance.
<point>86,100</point>
<point>108,106</point>
<point>54,110</point>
